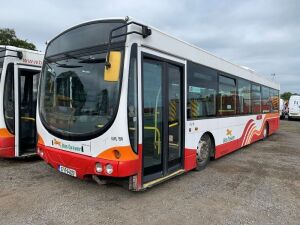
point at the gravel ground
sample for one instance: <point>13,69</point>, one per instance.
<point>259,184</point>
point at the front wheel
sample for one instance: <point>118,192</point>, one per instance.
<point>204,149</point>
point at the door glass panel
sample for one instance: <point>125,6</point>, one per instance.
<point>9,99</point>
<point>132,100</point>
<point>174,101</point>
<point>28,96</point>
<point>153,116</point>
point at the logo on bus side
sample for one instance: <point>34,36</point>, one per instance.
<point>229,137</point>
<point>69,147</point>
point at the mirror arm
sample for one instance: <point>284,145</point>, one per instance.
<point>146,31</point>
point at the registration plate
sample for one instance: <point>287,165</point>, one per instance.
<point>68,171</point>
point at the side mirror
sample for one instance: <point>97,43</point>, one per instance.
<point>112,72</point>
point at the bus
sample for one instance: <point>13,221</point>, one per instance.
<point>294,107</point>
<point>19,77</point>
<point>130,103</point>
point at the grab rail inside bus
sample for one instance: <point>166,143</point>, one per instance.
<point>22,117</point>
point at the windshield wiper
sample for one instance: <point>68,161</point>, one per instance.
<point>92,61</point>
<point>67,66</point>
<point>71,56</point>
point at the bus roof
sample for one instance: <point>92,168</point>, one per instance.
<point>28,57</point>
<point>164,42</point>
<point>13,48</point>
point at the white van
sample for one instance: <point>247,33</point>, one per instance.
<point>294,107</point>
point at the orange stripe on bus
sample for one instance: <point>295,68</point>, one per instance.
<point>126,154</point>
<point>5,133</point>
<point>40,140</point>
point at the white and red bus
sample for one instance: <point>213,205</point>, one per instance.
<point>19,72</point>
<point>119,99</point>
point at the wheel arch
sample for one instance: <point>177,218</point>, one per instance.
<point>212,138</point>
<point>267,124</point>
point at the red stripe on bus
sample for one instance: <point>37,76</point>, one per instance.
<point>7,147</point>
<point>248,137</point>
<point>7,152</point>
<point>140,167</point>
<point>189,159</point>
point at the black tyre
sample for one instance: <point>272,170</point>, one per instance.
<point>204,150</point>
<point>266,131</point>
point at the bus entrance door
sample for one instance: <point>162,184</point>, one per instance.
<point>162,118</point>
<point>26,79</point>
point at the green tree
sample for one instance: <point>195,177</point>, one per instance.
<point>9,37</point>
<point>286,95</point>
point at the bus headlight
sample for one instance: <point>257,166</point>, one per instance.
<point>98,167</point>
<point>109,169</point>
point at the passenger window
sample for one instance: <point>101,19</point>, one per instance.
<point>256,99</point>
<point>274,100</point>
<point>202,90</point>
<point>244,97</point>
<point>266,100</point>
<point>227,96</point>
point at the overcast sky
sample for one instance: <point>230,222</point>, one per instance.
<point>262,35</point>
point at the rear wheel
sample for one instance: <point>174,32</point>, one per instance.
<point>266,131</point>
<point>204,150</point>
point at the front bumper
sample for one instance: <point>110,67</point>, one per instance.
<point>85,165</point>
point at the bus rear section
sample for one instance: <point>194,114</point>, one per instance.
<point>20,70</point>
<point>294,107</point>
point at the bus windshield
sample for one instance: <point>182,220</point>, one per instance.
<point>75,98</point>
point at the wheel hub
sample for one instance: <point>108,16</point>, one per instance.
<point>202,151</point>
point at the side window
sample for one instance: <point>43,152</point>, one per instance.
<point>256,99</point>
<point>227,96</point>
<point>274,100</point>
<point>202,90</point>
<point>265,99</point>
<point>132,99</point>
<point>244,97</point>
<point>9,99</point>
